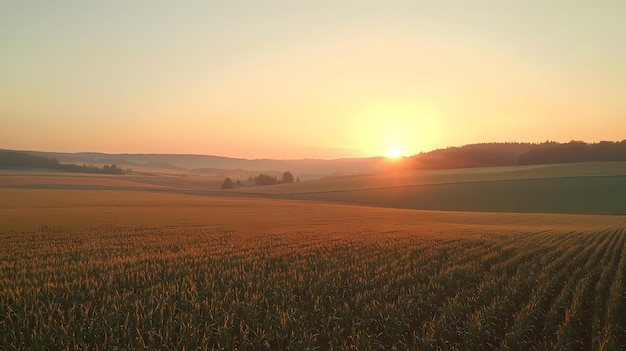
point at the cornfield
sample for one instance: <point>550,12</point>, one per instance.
<point>119,288</point>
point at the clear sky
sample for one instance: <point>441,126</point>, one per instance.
<point>308,79</point>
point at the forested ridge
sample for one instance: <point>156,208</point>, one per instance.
<point>512,154</point>
<point>23,160</point>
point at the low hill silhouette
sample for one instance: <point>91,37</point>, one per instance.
<point>474,155</point>
<point>512,154</point>
<point>468,156</point>
<point>23,160</point>
<point>574,151</point>
<point>315,168</point>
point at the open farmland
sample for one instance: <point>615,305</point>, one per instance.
<point>399,177</point>
<point>583,195</point>
<point>585,188</point>
<point>24,179</point>
<point>139,270</point>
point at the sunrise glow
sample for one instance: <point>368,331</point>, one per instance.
<point>393,153</point>
<point>271,80</point>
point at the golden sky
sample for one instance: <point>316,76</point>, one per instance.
<point>314,79</point>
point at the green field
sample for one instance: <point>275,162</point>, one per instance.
<point>403,177</point>
<point>158,262</point>
<point>583,195</point>
<point>589,188</point>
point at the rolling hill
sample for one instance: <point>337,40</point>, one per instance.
<point>306,168</point>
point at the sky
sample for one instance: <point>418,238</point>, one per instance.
<point>308,79</point>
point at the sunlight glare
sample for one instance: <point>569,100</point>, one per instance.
<point>393,153</point>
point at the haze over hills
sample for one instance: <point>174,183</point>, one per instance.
<point>468,156</point>
<point>573,177</point>
<point>210,163</point>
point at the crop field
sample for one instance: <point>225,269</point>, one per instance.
<point>258,274</point>
<point>92,262</point>
<point>24,179</point>
<point>174,289</point>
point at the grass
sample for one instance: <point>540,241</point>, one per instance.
<point>583,195</point>
<point>586,188</point>
<point>403,178</point>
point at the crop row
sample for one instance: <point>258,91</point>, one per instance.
<point>143,288</point>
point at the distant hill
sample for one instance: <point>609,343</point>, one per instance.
<point>468,156</point>
<point>24,160</point>
<point>314,168</point>
<point>512,154</point>
<point>475,155</point>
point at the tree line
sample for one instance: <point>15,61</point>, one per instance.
<point>262,179</point>
<point>574,151</point>
<point>513,154</point>
<point>22,160</point>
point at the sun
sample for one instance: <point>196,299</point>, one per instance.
<point>393,153</point>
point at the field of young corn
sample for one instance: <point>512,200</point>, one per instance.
<point>185,289</point>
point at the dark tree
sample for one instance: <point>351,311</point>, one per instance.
<point>574,151</point>
<point>287,177</point>
<point>112,169</point>
<point>265,179</point>
<point>13,159</point>
<point>228,183</point>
